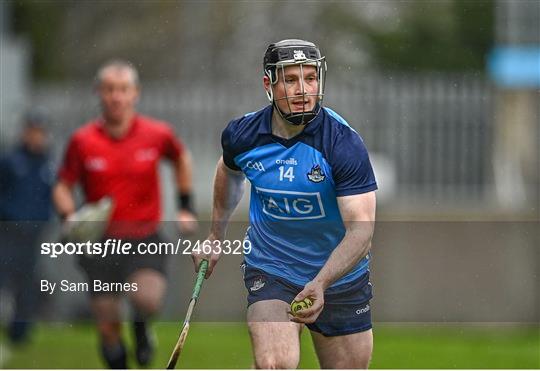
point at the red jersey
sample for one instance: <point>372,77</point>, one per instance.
<point>124,169</point>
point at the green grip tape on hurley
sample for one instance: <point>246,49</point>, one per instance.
<point>200,278</point>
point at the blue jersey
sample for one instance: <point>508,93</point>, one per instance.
<point>295,222</point>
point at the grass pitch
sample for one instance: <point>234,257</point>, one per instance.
<point>226,345</point>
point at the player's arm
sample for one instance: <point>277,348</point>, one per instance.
<point>228,191</point>
<point>63,199</point>
<point>184,185</point>
<point>358,214</point>
<point>69,174</point>
<point>184,173</point>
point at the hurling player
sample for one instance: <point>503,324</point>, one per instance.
<point>312,215</point>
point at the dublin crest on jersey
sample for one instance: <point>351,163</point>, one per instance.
<point>316,175</point>
<point>258,283</point>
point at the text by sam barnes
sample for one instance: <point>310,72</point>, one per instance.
<point>96,286</point>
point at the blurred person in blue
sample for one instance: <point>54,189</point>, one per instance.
<point>312,214</point>
<point>26,177</point>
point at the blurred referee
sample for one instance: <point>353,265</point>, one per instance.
<point>117,156</point>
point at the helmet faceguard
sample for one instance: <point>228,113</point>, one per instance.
<point>299,53</point>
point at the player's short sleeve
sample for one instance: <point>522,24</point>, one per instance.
<point>228,149</point>
<point>351,168</point>
<point>173,147</point>
<point>71,168</point>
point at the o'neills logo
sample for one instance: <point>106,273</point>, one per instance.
<point>290,161</point>
<point>363,310</point>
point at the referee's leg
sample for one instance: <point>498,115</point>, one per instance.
<point>151,286</point>
<point>106,310</point>
<point>275,340</point>
<point>147,301</point>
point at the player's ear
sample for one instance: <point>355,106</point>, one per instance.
<point>266,83</point>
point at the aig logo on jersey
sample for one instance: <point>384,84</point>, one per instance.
<point>291,205</point>
<point>255,165</point>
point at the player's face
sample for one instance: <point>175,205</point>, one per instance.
<point>118,93</point>
<point>295,92</point>
<point>35,139</point>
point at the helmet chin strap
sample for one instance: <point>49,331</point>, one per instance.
<point>298,118</point>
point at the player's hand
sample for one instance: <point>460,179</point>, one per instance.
<point>212,258</point>
<point>315,291</point>
<point>66,221</point>
<point>187,222</point>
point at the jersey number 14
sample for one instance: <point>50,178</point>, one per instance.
<point>286,173</point>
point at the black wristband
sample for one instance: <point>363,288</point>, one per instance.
<point>185,202</point>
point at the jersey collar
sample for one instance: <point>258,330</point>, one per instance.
<point>310,129</point>
<point>132,128</point>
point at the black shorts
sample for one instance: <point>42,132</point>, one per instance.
<point>117,268</point>
<point>346,309</point>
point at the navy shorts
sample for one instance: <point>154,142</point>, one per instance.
<point>346,307</point>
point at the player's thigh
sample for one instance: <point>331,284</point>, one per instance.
<point>151,286</point>
<point>345,351</point>
<point>106,308</point>
<point>275,339</point>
